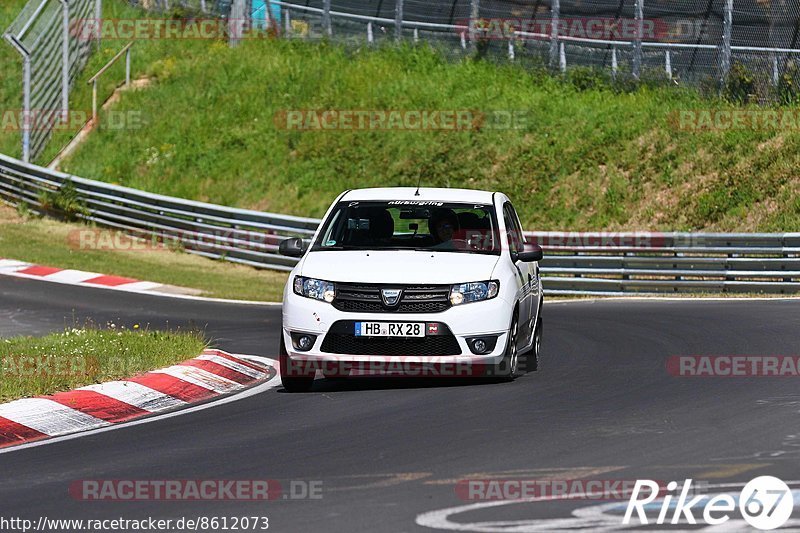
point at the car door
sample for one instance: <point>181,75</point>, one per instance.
<point>525,273</point>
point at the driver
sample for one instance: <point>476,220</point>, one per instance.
<point>443,225</point>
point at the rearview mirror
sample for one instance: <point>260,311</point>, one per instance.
<point>294,247</point>
<point>535,254</point>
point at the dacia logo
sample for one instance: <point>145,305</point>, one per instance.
<point>391,297</point>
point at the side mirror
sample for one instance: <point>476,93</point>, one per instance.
<point>535,254</point>
<point>292,247</point>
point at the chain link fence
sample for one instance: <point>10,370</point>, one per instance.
<point>53,55</point>
<point>747,47</point>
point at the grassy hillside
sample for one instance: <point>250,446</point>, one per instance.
<point>586,159</point>
<point>146,61</point>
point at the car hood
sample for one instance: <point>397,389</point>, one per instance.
<point>398,266</point>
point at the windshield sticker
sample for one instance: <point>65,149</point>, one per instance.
<point>411,202</point>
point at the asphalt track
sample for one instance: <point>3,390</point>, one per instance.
<point>602,406</point>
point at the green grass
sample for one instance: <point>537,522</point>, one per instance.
<point>587,158</point>
<point>51,243</point>
<point>149,58</point>
<point>82,356</point>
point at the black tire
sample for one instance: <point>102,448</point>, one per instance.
<point>291,380</point>
<point>508,367</point>
<point>535,353</point>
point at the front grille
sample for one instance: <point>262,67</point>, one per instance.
<point>341,340</point>
<point>356,298</point>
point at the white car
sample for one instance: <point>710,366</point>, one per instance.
<point>417,281</point>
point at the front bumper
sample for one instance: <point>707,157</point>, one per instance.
<point>488,318</point>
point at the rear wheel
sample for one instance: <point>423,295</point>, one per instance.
<point>292,376</point>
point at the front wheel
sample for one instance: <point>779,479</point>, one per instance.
<point>508,367</point>
<point>292,376</point>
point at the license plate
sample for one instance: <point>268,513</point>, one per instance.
<point>390,329</point>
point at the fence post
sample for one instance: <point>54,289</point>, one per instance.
<point>555,13</point>
<point>511,53</point>
<point>98,17</point>
<point>369,32</point>
<point>26,95</point>
<point>614,61</point>
<point>398,20</point>
<point>326,17</point>
<point>287,23</point>
<point>203,6</point>
<point>26,109</point>
<point>668,64</point>
<point>128,67</point>
<point>775,71</point>
<point>416,35</point>
<point>637,42</point>
<point>474,13</point>
<point>562,58</point>
<point>725,53</point>
<point>94,102</point>
<point>65,61</point>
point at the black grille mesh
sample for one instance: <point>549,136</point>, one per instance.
<point>352,345</point>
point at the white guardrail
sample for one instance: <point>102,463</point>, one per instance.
<point>575,263</point>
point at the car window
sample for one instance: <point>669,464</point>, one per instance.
<point>437,226</point>
<point>516,239</point>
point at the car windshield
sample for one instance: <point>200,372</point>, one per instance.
<point>411,225</point>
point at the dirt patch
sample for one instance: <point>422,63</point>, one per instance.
<point>9,215</point>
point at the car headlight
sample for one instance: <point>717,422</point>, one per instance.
<point>473,292</point>
<point>314,288</point>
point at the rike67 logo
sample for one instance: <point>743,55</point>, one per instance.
<point>765,503</point>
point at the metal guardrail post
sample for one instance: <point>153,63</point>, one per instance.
<point>555,14</point>
<point>326,18</point>
<point>398,20</point>
<point>637,42</point>
<point>725,52</point>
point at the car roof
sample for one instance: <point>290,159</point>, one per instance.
<point>426,194</point>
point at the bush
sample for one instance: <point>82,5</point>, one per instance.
<point>788,89</point>
<point>65,201</point>
<point>739,85</point>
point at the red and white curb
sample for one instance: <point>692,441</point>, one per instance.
<point>11,267</point>
<point>215,373</point>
